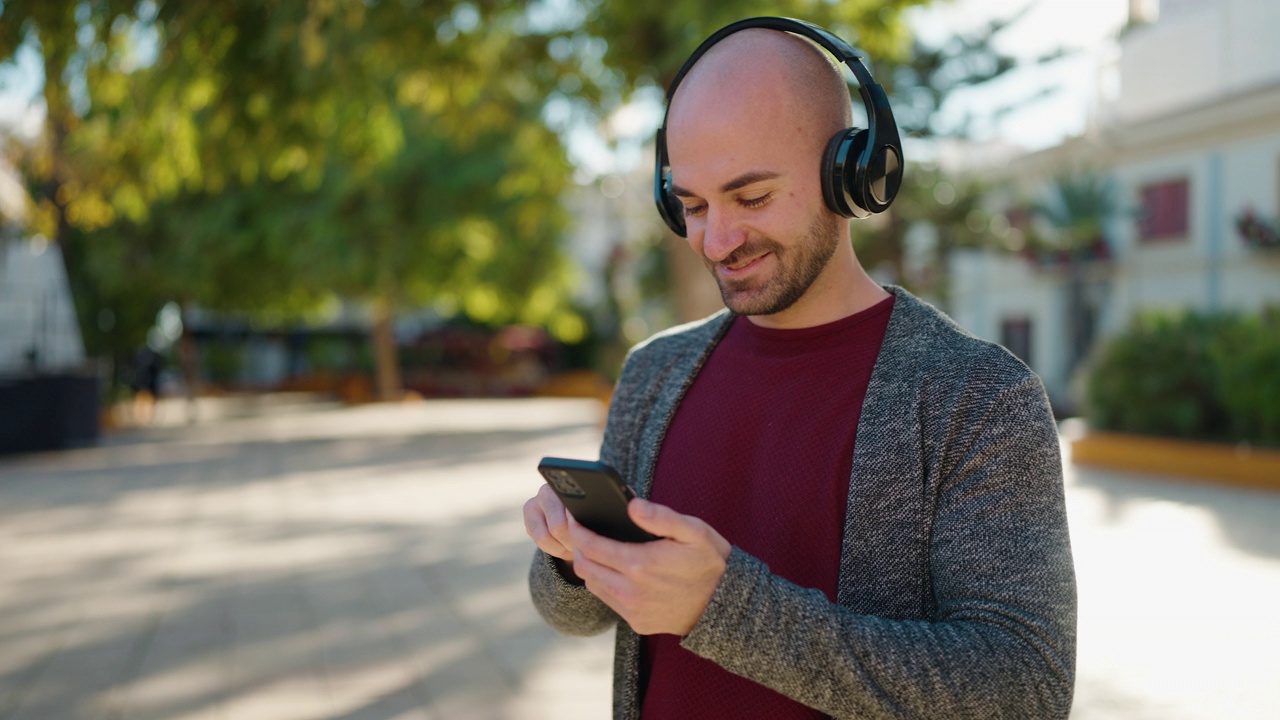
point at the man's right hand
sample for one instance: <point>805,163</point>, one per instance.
<point>547,522</point>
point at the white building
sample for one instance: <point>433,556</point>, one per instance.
<point>38,328</point>
<point>1192,141</point>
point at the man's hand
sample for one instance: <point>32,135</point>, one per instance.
<point>661,586</point>
<point>547,522</point>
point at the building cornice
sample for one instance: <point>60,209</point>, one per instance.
<point>1241,116</point>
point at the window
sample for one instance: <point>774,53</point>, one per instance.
<point>1164,210</point>
<point>1015,335</point>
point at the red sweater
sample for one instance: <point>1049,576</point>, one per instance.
<point>761,448</point>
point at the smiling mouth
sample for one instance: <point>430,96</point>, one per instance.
<point>743,264</point>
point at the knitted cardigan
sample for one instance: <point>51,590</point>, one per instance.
<point>956,596</point>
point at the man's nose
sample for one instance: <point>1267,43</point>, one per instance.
<point>723,235</point>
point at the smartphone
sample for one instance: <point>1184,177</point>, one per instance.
<point>595,495</point>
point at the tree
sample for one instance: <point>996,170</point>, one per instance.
<point>52,27</point>
<point>223,168</point>
<point>1076,213</point>
<point>483,236</point>
<point>646,43</point>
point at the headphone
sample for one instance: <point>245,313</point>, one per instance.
<point>861,169</point>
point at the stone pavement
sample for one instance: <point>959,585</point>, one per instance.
<point>368,563</point>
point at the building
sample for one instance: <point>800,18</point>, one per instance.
<point>1191,144</point>
<point>38,329</point>
<point>47,399</point>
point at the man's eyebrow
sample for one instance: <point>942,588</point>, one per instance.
<point>737,183</point>
<point>748,178</point>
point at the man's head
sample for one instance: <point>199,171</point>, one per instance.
<point>746,132</point>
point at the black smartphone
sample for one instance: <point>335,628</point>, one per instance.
<point>595,495</point>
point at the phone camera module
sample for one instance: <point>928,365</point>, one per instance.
<point>565,484</point>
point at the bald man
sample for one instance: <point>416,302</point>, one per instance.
<point>860,505</point>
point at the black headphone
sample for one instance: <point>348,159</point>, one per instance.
<point>861,169</point>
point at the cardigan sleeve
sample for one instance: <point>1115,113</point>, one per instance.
<point>567,607</point>
<point>1001,639</point>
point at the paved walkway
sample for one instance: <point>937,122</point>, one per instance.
<point>343,563</point>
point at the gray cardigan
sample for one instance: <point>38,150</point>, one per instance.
<point>957,592</point>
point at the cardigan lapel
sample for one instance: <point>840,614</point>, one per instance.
<point>884,558</point>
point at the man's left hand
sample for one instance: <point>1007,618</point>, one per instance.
<point>662,586</point>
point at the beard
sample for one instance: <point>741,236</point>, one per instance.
<point>797,268</point>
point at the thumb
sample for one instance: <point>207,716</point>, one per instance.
<point>660,519</point>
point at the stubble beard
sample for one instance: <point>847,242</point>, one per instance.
<point>797,269</point>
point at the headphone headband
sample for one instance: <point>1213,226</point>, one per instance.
<point>865,166</point>
<point>820,35</point>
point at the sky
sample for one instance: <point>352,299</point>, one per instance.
<point>1085,28</point>
<point>1082,26</point>
<point>20,84</point>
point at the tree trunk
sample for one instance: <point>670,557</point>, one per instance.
<point>57,127</point>
<point>386,360</point>
<point>1075,309</point>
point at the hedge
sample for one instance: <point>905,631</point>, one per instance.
<point>1190,375</point>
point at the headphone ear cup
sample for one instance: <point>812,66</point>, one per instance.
<point>670,207</point>
<point>883,177</point>
<point>839,164</point>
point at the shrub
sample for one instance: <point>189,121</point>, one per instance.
<point>1190,375</point>
<point>1247,373</point>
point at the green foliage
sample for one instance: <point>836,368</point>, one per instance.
<point>1076,211</point>
<point>257,157</point>
<point>1192,376</point>
<point>1246,359</point>
<point>648,42</point>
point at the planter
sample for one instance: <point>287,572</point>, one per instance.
<point>1240,465</point>
<point>48,412</point>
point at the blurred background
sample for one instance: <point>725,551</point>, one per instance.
<point>453,198</point>
<point>222,209</point>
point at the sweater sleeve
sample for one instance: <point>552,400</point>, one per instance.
<point>1001,642</point>
<point>567,607</point>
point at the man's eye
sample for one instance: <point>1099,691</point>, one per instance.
<point>755,202</point>
<point>695,210</point>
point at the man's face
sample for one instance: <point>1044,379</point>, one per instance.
<point>754,212</point>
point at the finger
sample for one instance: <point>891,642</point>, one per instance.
<point>535,524</point>
<point>601,580</point>
<point>555,515</point>
<point>600,549</point>
<point>664,522</point>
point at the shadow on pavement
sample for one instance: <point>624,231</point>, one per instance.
<point>372,577</point>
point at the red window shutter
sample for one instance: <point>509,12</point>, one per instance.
<point>1165,209</point>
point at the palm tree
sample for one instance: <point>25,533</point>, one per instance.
<point>1076,213</point>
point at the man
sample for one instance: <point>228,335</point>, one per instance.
<point>861,505</point>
